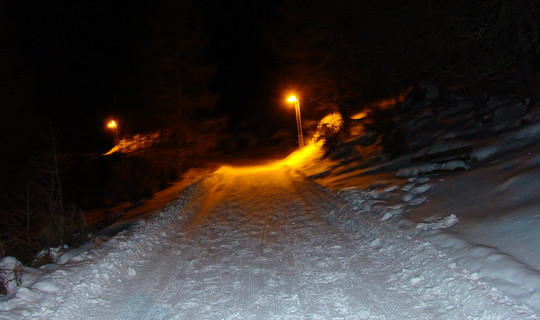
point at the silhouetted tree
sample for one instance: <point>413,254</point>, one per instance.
<point>475,40</point>
<point>318,46</point>
<point>349,49</point>
<point>174,85</point>
<point>38,218</point>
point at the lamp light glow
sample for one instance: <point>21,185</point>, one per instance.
<point>292,99</point>
<point>296,102</point>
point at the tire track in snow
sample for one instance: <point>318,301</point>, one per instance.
<point>271,245</point>
<point>252,283</point>
<point>98,286</point>
<point>151,277</point>
<point>420,262</point>
<point>361,290</point>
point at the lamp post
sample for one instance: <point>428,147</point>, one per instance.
<point>298,120</point>
<point>112,125</point>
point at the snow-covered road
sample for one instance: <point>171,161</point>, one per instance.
<point>256,244</point>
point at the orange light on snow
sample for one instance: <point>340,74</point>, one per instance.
<point>359,115</point>
<point>295,159</point>
<point>300,157</point>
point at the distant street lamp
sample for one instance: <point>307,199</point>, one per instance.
<point>112,125</point>
<point>298,120</point>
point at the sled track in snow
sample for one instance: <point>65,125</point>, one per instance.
<point>271,245</point>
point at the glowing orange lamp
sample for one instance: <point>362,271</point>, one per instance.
<point>114,126</point>
<point>296,102</point>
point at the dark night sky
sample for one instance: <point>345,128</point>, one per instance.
<point>72,60</point>
<point>246,72</point>
<point>77,63</point>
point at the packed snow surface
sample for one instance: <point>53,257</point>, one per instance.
<point>261,243</point>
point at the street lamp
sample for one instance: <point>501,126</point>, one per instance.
<point>298,120</point>
<point>112,125</point>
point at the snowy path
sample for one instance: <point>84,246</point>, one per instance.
<point>262,245</point>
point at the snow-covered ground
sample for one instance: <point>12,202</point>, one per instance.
<point>312,238</point>
<point>484,213</point>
